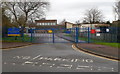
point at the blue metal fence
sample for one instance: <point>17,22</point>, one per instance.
<point>63,35</point>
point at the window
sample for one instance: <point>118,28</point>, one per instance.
<point>40,24</point>
<point>43,23</point>
<point>51,23</point>
<point>54,23</point>
<point>37,23</point>
<point>46,23</point>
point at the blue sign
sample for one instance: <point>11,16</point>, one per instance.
<point>68,32</point>
<point>13,32</point>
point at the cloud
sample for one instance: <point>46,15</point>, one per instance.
<point>74,10</point>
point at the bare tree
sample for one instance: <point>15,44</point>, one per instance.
<point>27,9</point>
<point>93,16</point>
<point>13,10</point>
<point>117,9</point>
<point>32,8</point>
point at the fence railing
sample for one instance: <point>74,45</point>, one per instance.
<point>111,36</point>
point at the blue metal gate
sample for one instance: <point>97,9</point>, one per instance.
<point>52,35</point>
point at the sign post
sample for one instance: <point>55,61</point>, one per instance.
<point>88,35</point>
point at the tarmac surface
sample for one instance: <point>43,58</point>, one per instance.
<point>47,38</point>
<point>59,57</point>
<point>101,50</point>
<point>54,57</point>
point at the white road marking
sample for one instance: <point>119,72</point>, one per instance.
<point>64,66</point>
<point>13,64</point>
<point>26,57</point>
<point>22,57</point>
<point>18,57</point>
<point>89,60</point>
<point>36,57</point>
<point>43,63</point>
<point>28,62</point>
<point>59,59</point>
<point>82,67</point>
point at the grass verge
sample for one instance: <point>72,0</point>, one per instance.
<point>26,38</point>
<point>116,45</point>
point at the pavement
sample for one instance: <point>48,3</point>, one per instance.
<point>101,50</point>
<point>54,57</point>
<point>8,45</point>
<point>71,39</point>
<point>96,49</point>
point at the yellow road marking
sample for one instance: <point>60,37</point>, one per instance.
<point>75,48</point>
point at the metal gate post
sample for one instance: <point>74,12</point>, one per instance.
<point>77,35</point>
<point>88,35</point>
<point>31,35</point>
<point>53,37</point>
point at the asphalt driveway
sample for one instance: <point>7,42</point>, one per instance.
<point>58,57</point>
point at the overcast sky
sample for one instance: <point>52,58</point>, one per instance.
<point>73,10</point>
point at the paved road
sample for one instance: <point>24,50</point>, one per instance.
<point>47,38</point>
<point>59,57</point>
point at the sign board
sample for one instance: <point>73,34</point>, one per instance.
<point>13,32</point>
<point>68,32</point>
<point>98,34</point>
<point>107,30</point>
<point>49,31</point>
<point>93,31</point>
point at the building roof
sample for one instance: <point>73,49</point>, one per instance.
<point>103,25</point>
<point>69,22</point>
<point>45,21</point>
<point>98,24</point>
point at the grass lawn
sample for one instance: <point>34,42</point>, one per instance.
<point>117,45</point>
<point>26,38</point>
